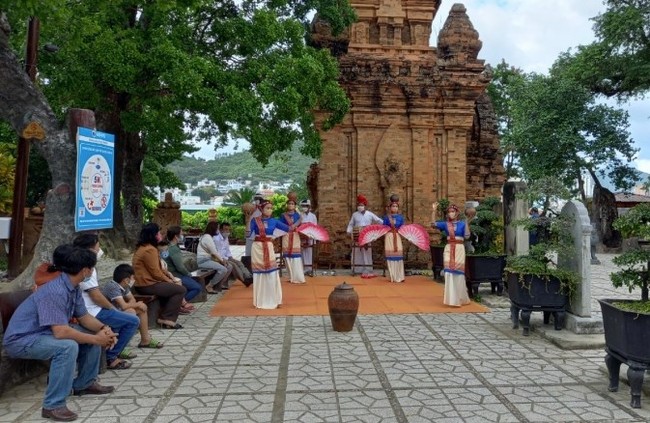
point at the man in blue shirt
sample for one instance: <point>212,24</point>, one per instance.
<point>39,329</point>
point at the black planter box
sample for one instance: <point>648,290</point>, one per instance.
<point>627,333</point>
<point>485,269</point>
<point>536,294</point>
<point>627,340</point>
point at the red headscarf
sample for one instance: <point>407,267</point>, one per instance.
<point>362,200</point>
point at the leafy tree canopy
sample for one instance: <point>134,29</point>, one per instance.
<point>618,62</point>
<point>551,125</point>
<point>192,69</point>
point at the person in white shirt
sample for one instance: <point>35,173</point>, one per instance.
<point>125,325</point>
<point>207,257</point>
<point>307,245</point>
<point>222,243</point>
<point>362,262</point>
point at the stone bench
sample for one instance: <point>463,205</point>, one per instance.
<point>153,308</point>
<point>14,371</point>
<point>202,276</point>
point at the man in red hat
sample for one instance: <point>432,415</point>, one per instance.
<point>362,256</point>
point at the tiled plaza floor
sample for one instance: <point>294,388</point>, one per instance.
<point>390,368</point>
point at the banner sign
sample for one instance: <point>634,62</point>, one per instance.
<point>95,157</point>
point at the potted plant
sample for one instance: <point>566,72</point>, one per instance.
<point>487,260</point>
<point>535,281</point>
<point>627,322</point>
<point>438,249</point>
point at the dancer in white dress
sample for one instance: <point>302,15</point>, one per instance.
<point>454,255</point>
<point>267,290</point>
<point>362,254</point>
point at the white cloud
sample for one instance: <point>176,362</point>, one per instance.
<point>643,165</point>
<point>530,34</point>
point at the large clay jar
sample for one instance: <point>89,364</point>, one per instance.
<point>343,304</point>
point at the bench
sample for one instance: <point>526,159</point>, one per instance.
<point>14,371</point>
<point>202,276</point>
<point>153,308</point>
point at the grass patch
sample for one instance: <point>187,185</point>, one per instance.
<point>642,307</point>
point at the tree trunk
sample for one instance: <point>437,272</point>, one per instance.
<point>133,185</point>
<point>604,213</point>
<point>116,238</point>
<point>22,103</point>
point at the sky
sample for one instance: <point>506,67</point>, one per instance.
<point>530,34</point>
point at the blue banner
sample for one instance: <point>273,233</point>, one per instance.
<point>95,158</point>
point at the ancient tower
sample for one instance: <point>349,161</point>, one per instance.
<point>420,124</point>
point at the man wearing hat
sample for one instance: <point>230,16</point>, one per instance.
<point>307,243</point>
<point>362,256</point>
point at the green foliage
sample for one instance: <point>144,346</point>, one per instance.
<point>279,168</point>
<point>551,125</point>
<point>617,63</point>
<point>239,197</point>
<point>642,307</point>
<point>196,220</point>
<point>7,172</point>
<point>488,228</point>
<point>279,204</point>
<point>635,223</point>
<point>148,206</point>
<point>233,215</point>
<point>554,239</point>
<point>39,180</point>
<point>204,193</point>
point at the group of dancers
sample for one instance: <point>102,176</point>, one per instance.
<point>299,230</point>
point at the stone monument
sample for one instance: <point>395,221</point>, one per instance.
<point>420,124</point>
<point>167,213</point>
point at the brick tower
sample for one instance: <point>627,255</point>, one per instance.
<point>420,125</point>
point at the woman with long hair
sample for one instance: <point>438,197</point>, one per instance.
<point>151,280</point>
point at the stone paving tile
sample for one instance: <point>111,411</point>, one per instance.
<point>365,406</point>
<point>393,351</point>
<point>309,353</point>
<point>206,380</point>
<point>342,337</point>
<point>247,407</point>
<point>521,372</point>
<point>562,403</point>
<point>254,354</point>
<point>308,334</point>
<point>354,352</point>
<point>257,379</point>
<point>298,383</point>
<point>221,355</point>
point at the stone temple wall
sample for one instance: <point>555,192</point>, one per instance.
<point>420,125</point>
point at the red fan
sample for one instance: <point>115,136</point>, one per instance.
<point>314,231</point>
<point>416,234</point>
<point>371,233</point>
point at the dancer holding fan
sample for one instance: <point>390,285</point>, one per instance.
<point>362,255</point>
<point>291,241</point>
<point>454,255</point>
<point>393,250</point>
<point>393,227</point>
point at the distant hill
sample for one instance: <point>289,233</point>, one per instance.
<point>281,168</point>
<point>607,183</point>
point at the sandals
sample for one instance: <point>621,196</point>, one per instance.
<point>127,354</point>
<point>152,344</point>
<point>168,326</point>
<point>121,365</point>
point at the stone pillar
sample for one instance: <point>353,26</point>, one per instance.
<point>516,238</point>
<point>167,213</point>
<point>579,319</point>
